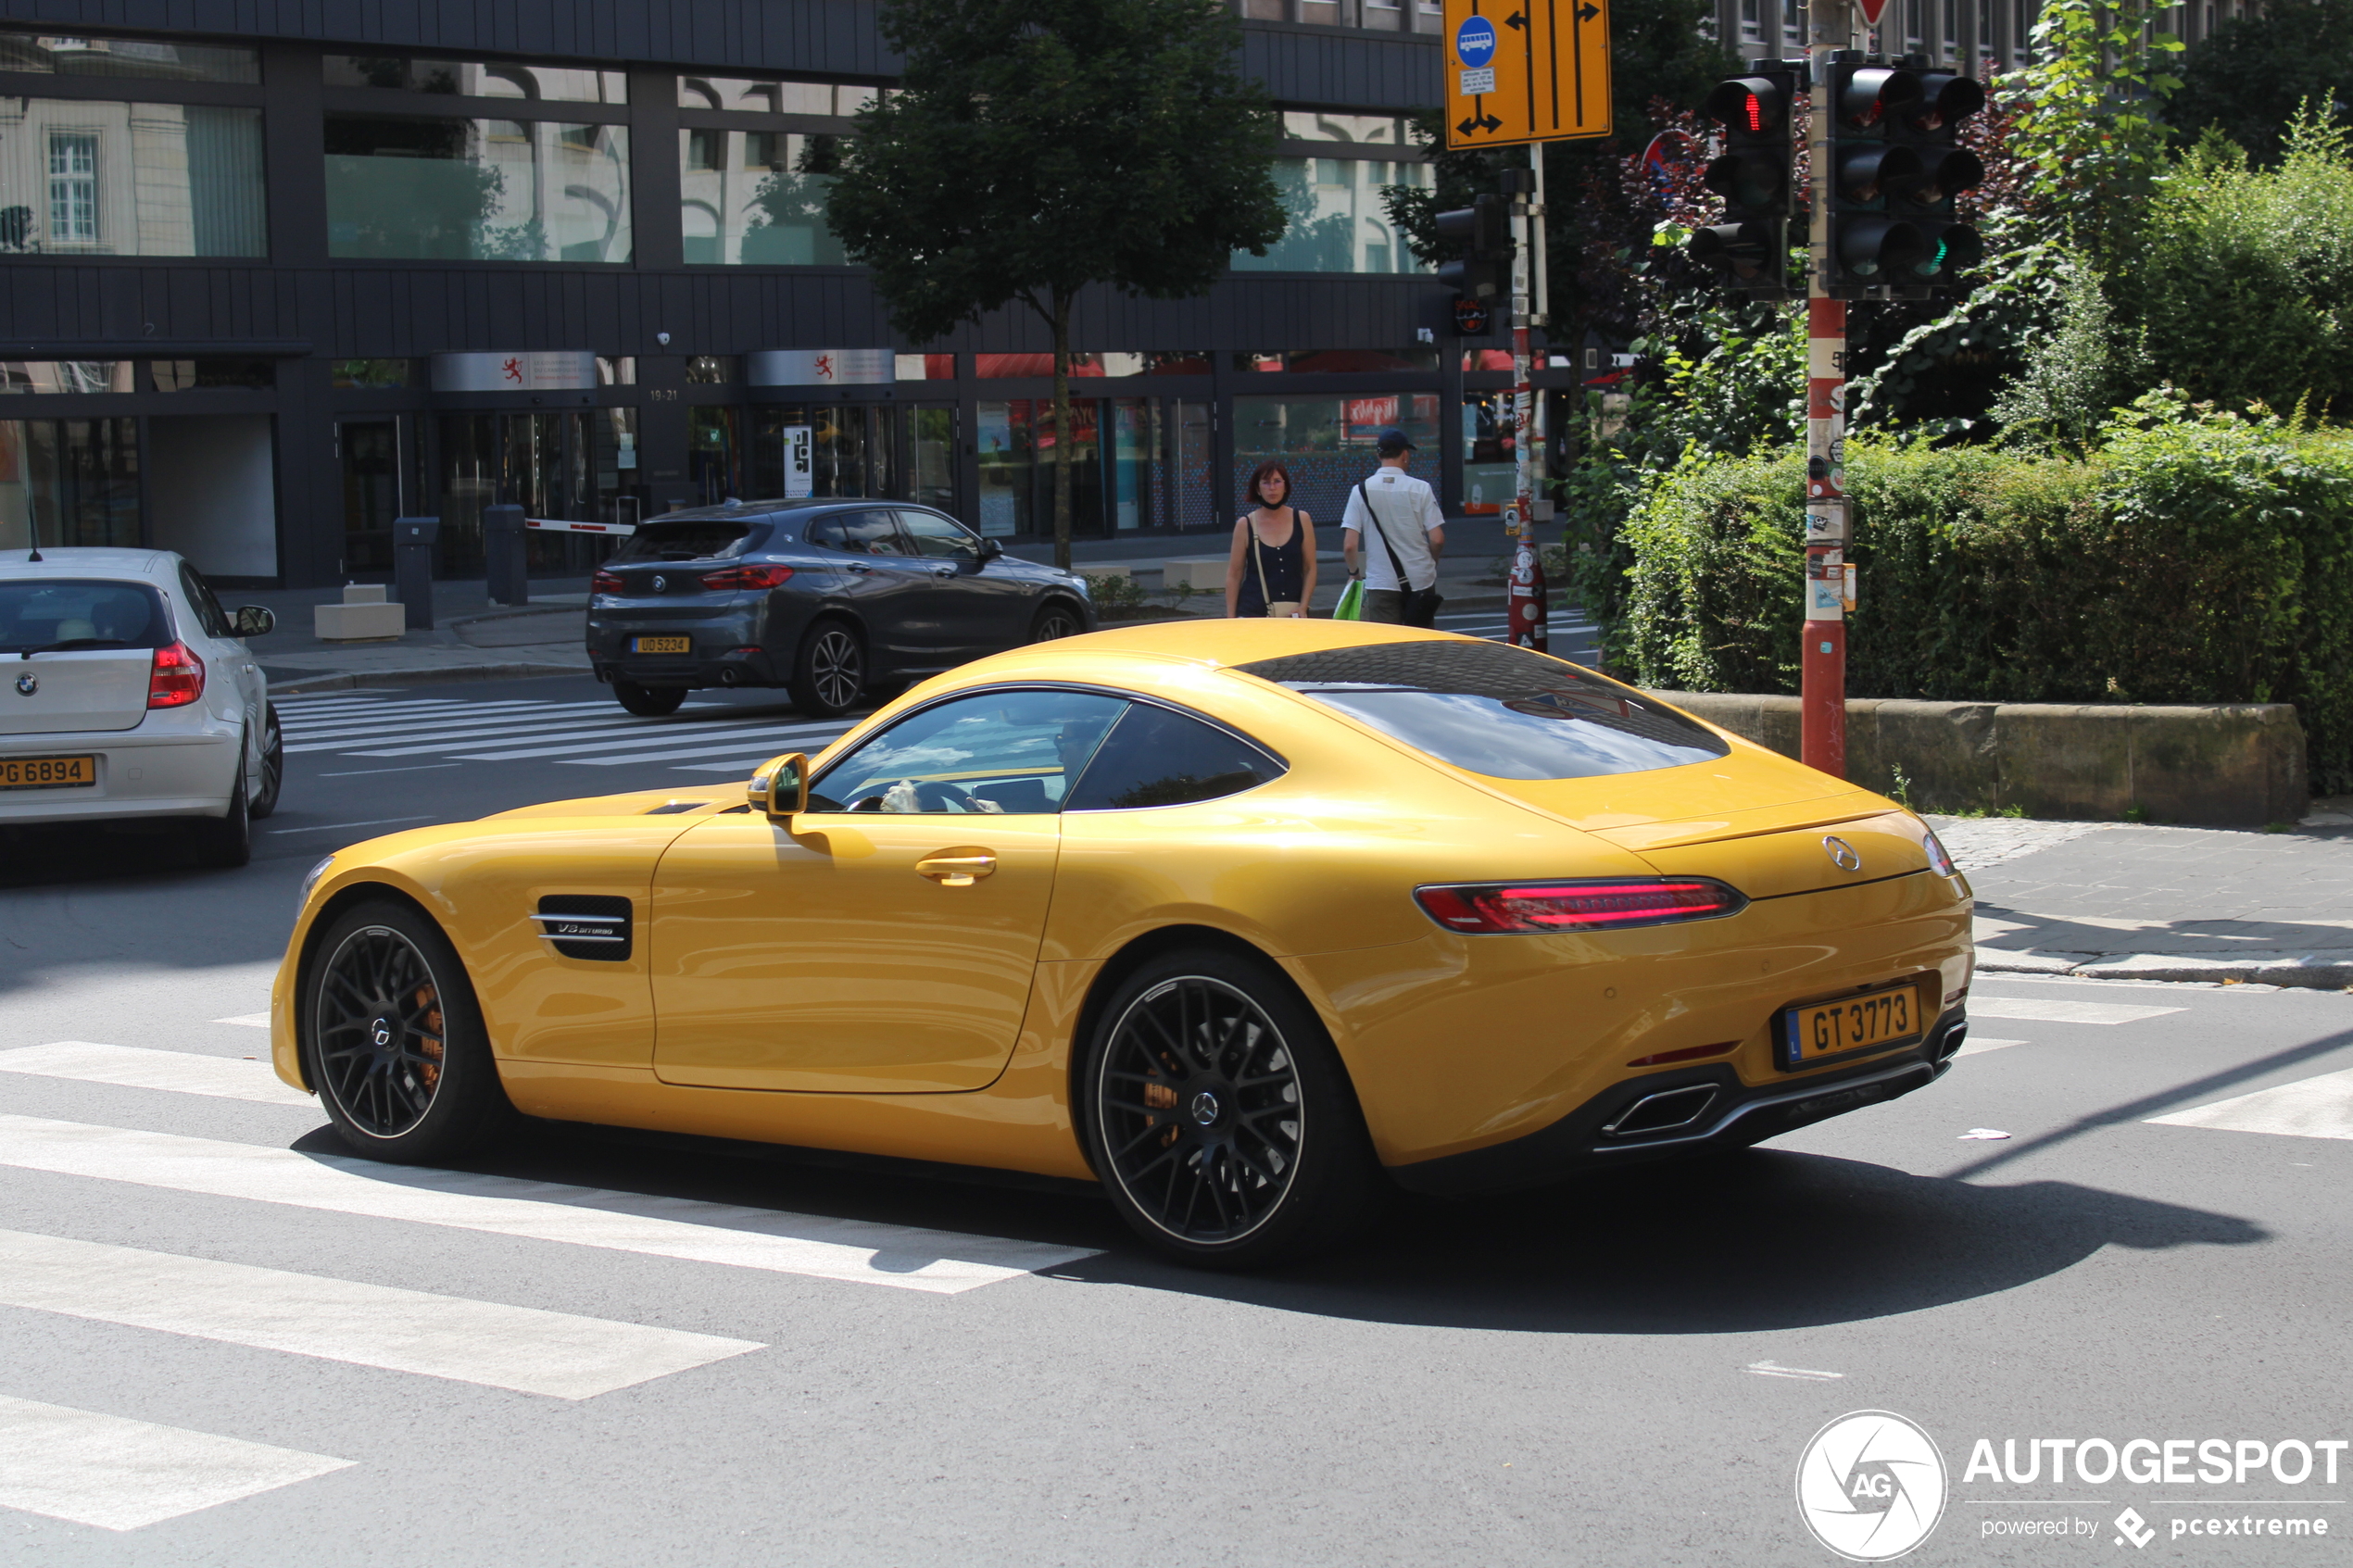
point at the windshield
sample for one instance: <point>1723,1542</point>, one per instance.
<point>45,614</point>
<point>1501,711</point>
<point>691,538</point>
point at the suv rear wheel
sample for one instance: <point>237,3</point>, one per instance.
<point>829,674</point>
<point>648,702</point>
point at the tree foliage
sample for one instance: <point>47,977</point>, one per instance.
<point>2256,74</point>
<point>1037,147</point>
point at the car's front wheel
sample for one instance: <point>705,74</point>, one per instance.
<point>1220,1120</point>
<point>829,674</point>
<point>393,1038</point>
<point>1054,622</point>
<point>648,702</point>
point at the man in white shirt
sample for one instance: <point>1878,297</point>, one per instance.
<point>1405,516</point>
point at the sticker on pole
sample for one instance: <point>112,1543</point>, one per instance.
<point>1475,42</point>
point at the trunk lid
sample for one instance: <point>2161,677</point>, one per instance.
<point>70,690</point>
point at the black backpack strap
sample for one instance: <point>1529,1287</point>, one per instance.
<point>1404,585</point>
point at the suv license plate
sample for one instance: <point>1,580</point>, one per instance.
<point>661,645</point>
<point>1818,1030</point>
<point>48,772</point>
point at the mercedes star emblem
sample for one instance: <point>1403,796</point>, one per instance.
<point>1205,1108</point>
<point>1843,854</point>
<point>27,685</point>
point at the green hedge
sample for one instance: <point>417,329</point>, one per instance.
<point>2189,559</point>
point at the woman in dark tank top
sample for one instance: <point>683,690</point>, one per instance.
<point>1273,553</point>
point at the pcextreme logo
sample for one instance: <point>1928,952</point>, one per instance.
<point>1870,1485</point>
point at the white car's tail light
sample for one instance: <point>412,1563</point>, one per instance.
<point>176,679</point>
<point>1600,904</point>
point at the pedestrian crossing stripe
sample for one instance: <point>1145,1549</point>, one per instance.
<point>140,1068</point>
<point>2311,1107</point>
<point>526,1350</point>
<point>589,735</point>
<point>116,1474</point>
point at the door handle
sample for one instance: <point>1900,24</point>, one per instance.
<point>858,567</point>
<point>957,868</point>
<point>943,571</point>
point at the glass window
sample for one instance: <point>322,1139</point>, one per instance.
<point>357,374</point>
<point>859,533</point>
<point>151,59</point>
<point>690,538</point>
<point>1361,130</point>
<point>714,370</point>
<point>81,176</point>
<point>191,375</point>
<point>939,537</point>
<point>477,190</point>
<point>1157,756</point>
<point>1501,711</point>
<point>1335,221</point>
<point>208,609</point>
<point>756,198</point>
<point>478,79</point>
<point>45,613</point>
<point>1328,442</point>
<point>68,482</point>
<point>65,375</point>
<point>1329,361</point>
<point>1003,752</point>
<point>771,96</point>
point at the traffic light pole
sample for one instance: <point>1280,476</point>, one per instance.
<point>1527,593</point>
<point>1822,667</point>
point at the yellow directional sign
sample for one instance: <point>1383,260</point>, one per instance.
<point>1526,70</point>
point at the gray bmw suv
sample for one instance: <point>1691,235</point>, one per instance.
<point>824,598</point>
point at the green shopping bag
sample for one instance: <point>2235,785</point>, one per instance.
<point>1351,601</point>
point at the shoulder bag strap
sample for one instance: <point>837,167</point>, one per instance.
<point>1404,585</point>
<point>1266,598</point>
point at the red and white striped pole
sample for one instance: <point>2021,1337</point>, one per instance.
<point>1822,667</point>
<point>1525,625</point>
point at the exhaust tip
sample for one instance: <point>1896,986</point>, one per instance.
<point>1664,1112</point>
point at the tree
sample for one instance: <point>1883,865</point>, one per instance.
<point>1034,148</point>
<point>2254,74</point>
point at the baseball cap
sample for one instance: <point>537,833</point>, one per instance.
<point>1391,442</point>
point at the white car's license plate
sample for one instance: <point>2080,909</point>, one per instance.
<point>48,772</point>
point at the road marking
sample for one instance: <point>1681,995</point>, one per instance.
<point>119,1474</point>
<point>136,1067</point>
<point>251,1020</point>
<point>819,1247</point>
<point>1982,1135</point>
<point>524,1349</point>
<point>1977,1043</point>
<point>371,822</point>
<point>2051,1009</point>
<point>2312,1107</point>
<point>1768,1369</point>
<point>573,737</point>
<point>632,747</point>
<point>826,732</point>
<point>365,772</point>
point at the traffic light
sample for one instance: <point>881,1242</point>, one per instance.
<point>1928,127</point>
<point>1484,272</point>
<point>1872,245</point>
<point>1750,246</point>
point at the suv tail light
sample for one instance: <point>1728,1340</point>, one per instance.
<point>607,583</point>
<point>1601,904</point>
<point>749,577</point>
<point>176,679</point>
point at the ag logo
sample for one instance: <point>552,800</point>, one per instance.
<point>1870,1485</point>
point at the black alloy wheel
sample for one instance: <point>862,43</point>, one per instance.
<point>273,765</point>
<point>648,702</point>
<point>392,1040</point>
<point>830,674</point>
<point>1223,1125</point>
<point>1055,622</point>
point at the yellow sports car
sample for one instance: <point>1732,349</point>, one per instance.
<point>1245,920</point>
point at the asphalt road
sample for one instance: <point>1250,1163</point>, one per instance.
<point>219,1352</point>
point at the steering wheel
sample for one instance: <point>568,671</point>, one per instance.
<point>930,796</point>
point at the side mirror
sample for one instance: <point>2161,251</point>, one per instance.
<point>990,549</point>
<point>252,620</point>
<point>781,788</point>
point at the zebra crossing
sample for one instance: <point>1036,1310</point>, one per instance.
<point>1571,634</point>
<point>381,734</point>
<point>104,1469</point>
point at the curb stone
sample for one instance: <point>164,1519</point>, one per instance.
<point>2322,971</point>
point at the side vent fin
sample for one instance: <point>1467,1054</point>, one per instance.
<point>587,925</point>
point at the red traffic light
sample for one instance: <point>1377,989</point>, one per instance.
<point>1753,105</point>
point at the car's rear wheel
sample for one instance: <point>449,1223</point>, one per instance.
<point>1220,1120</point>
<point>829,674</point>
<point>226,842</point>
<point>648,702</point>
<point>394,1040</point>
<point>1055,622</point>
<point>273,765</point>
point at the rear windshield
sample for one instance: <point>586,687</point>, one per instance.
<point>1501,711</point>
<point>690,538</point>
<point>63,613</point>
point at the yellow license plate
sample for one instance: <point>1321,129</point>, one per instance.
<point>662,645</point>
<point>1821,1030</point>
<point>48,772</point>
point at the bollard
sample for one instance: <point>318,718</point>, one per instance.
<point>413,542</point>
<point>503,543</point>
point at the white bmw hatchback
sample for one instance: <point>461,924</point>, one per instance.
<point>126,691</point>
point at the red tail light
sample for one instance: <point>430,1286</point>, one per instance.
<point>1602,904</point>
<point>176,679</point>
<point>606,582</point>
<point>749,577</point>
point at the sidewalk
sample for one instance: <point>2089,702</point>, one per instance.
<point>2127,902</point>
<point>472,639</point>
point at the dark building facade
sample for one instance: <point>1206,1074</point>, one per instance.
<point>273,274</point>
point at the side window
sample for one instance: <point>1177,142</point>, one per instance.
<point>939,537</point>
<point>1158,758</point>
<point>999,752</point>
<point>860,533</point>
<point>208,611</point>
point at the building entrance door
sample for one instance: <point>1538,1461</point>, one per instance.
<point>370,453</point>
